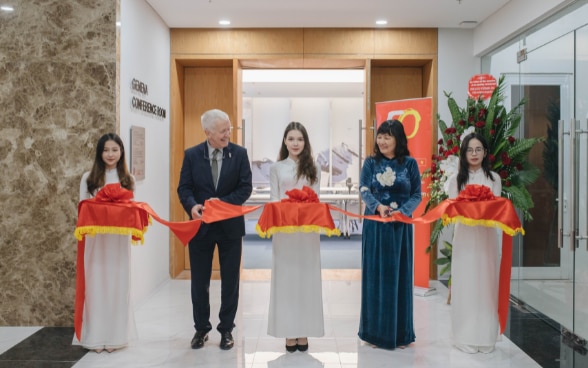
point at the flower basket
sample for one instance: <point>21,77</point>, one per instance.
<point>507,154</point>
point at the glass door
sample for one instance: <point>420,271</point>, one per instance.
<point>551,268</point>
<point>548,67</point>
<point>580,186</point>
<point>542,268</point>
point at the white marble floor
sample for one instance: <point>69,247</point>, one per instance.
<point>164,324</point>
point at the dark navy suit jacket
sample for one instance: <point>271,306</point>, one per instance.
<point>234,186</point>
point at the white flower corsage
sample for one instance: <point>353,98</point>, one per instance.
<point>387,178</point>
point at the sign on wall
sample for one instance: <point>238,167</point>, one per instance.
<point>138,152</point>
<point>139,102</point>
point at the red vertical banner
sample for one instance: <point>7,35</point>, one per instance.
<point>416,117</point>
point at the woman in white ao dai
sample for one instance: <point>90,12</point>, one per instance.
<point>108,321</point>
<point>475,258</point>
<point>296,306</point>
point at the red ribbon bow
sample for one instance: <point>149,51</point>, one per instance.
<point>113,193</point>
<point>475,192</point>
<point>304,195</point>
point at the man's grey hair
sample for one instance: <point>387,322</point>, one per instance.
<point>210,117</point>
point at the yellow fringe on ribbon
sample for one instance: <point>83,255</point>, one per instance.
<point>487,223</point>
<point>93,230</point>
<point>295,229</point>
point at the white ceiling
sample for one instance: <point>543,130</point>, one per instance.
<point>321,14</point>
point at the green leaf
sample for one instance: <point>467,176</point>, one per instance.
<point>446,252</point>
<point>454,110</point>
<point>441,261</point>
<point>444,270</point>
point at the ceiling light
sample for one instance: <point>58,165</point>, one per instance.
<point>381,22</point>
<point>468,24</point>
<point>303,76</point>
<point>224,22</point>
<point>6,8</point>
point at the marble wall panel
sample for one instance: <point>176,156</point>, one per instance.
<point>58,95</point>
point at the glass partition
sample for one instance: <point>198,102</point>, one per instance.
<point>548,67</point>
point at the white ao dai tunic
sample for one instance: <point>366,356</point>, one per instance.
<point>296,304</point>
<point>474,275</point>
<point>108,321</point>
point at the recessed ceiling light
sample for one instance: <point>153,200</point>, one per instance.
<point>468,24</point>
<point>6,8</point>
<point>224,22</point>
<point>381,22</point>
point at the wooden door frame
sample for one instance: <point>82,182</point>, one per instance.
<point>177,101</point>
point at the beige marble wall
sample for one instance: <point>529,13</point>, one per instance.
<point>57,96</point>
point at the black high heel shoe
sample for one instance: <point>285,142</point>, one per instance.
<point>302,347</point>
<point>291,348</point>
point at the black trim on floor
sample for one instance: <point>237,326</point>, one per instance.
<point>50,347</point>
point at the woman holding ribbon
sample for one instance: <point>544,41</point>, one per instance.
<point>108,322</point>
<point>475,257</point>
<point>390,182</point>
<point>296,304</point>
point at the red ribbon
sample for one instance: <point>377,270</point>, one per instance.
<point>113,211</point>
<point>470,209</point>
<point>112,205</point>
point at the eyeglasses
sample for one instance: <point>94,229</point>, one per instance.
<point>477,150</point>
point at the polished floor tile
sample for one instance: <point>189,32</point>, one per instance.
<point>46,347</point>
<point>165,329</point>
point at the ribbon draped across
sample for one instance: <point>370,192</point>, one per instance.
<point>113,212</point>
<point>474,206</point>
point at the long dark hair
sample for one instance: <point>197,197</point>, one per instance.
<point>97,176</point>
<point>306,167</point>
<point>464,172</point>
<point>396,130</point>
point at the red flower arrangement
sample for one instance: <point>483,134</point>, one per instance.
<point>506,153</point>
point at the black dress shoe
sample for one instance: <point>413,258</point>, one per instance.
<point>198,340</point>
<point>226,342</point>
<point>302,347</point>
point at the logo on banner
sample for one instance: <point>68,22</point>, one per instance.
<point>401,115</point>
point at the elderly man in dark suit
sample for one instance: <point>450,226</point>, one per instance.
<point>215,169</point>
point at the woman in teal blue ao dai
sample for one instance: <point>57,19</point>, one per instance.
<point>390,182</point>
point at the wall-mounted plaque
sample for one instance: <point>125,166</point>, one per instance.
<point>138,152</point>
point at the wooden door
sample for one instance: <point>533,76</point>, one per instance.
<point>205,88</point>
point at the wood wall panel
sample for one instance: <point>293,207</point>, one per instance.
<point>411,41</point>
<point>205,88</point>
<point>177,213</point>
<point>231,43</point>
<point>341,42</point>
<point>391,83</point>
<point>237,122</point>
<point>301,43</point>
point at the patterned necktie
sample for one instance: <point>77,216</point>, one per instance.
<point>214,167</point>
